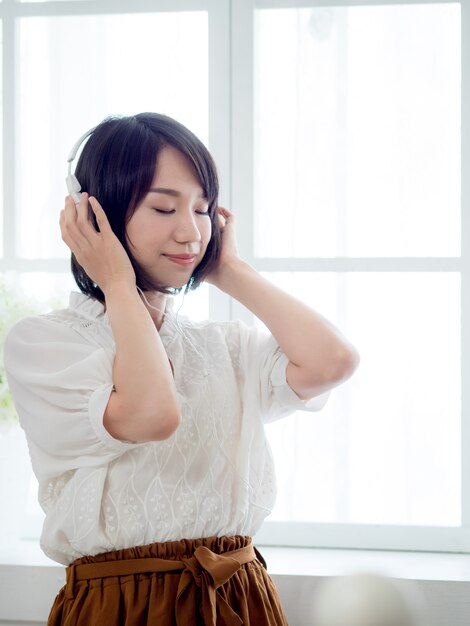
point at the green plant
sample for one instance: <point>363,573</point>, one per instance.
<point>13,307</point>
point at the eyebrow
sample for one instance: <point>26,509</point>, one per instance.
<point>171,192</point>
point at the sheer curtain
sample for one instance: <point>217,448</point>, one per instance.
<point>124,64</point>
<point>357,158</point>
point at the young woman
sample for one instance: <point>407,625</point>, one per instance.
<point>146,430</point>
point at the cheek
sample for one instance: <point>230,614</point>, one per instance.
<point>133,230</point>
<point>142,233</point>
<point>206,231</point>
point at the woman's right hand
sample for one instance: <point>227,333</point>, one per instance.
<point>101,254</point>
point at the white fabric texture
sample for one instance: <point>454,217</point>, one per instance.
<point>213,476</point>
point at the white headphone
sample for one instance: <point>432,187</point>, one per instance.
<point>73,186</point>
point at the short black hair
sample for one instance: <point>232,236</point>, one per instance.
<point>117,166</point>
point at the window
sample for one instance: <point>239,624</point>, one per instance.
<point>360,127</point>
<point>354,170</point>
<point>153,57</point>
<point>357,111</point>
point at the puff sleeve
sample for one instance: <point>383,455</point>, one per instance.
<point>61,385</point>
<point>264,365</point>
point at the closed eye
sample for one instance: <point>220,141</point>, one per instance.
<point>171,211</point>
<point>165,211</point>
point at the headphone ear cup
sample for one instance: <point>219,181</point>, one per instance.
<point>73,187</point>
<point>72,184</point>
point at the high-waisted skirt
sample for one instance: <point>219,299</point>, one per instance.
<point>218,581</point>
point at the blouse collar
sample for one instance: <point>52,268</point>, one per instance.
<point>92,309</point>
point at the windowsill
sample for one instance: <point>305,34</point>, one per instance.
<point>321,562</point>
<point>26,567</point>
<point>334,562</point>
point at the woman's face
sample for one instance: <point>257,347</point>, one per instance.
<point>170,229</point>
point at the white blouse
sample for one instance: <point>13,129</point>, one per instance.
<point>213,476</point>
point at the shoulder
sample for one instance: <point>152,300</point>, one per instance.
<point>79,324</point>
<point>207,325</point>
<point>31,328</point>
<point>230,331</point>
<point>32,340</point>
<point>38,328</point>
<point>46,345</point>
<point>210,330</point>
<point>245,345</point>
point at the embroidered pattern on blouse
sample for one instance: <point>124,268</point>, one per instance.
<point>213,476</point>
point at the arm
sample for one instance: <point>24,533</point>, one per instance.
<point>319,356</point>
<point>138,409</point>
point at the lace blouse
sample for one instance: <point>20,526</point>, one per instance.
<point>214,476</point>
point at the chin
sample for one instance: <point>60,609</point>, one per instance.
<point>177,282</point>
<point>176,285</point>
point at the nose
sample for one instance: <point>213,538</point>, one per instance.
<point>186,229</point>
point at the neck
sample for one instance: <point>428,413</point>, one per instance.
<point>155,302</point>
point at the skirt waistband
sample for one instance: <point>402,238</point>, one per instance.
<point>205,569</point>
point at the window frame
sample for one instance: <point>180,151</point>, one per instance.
<point>334,535</point>
<point>231,139</point>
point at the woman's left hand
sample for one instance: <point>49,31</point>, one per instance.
<point>228,252</point>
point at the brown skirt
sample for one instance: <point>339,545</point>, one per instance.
<point>218,581</point>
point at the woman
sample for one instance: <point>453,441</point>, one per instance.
<point>146,431</point>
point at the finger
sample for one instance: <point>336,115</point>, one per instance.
<point>70,226</point>
<point>69,212</point>
<point>66,235</point>
<point>101,217</point>
<point>69,206</point>
<point>82,212</point>
<point>84,219</point>
<point>225,212</point>
<point>221,221</point>
<point>225,216</point>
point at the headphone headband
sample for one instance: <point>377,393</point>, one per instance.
<point>78,143</point>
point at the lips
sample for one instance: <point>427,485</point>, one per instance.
<point>181,259</point>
